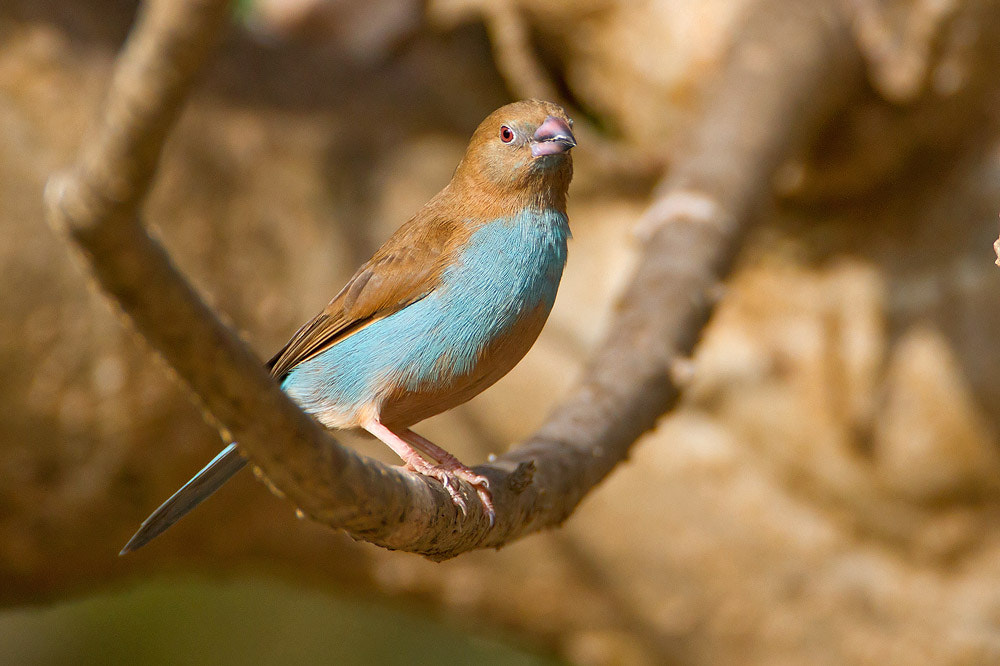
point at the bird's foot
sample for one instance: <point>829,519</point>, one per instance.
<point>448,473</point>
<point>413,448</point>
<point>453,468</point>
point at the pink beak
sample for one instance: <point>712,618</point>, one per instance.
<point>553,137</point>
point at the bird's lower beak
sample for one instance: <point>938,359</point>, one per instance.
<point>553,137</point>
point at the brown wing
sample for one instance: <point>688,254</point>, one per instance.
<point>401,272</point>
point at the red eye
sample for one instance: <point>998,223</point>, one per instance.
<point>506,134</point>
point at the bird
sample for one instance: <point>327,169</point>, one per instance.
<point>447,306</point>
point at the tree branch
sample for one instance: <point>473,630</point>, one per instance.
<point>784,61</point>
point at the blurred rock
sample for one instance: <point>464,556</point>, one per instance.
<point>931,441</point>
<point>793,359</point>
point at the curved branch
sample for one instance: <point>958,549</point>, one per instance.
<point>784,61</point>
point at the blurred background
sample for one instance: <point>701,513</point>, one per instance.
<point>827,493</point>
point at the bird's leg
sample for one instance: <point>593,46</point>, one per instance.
<point>446,473</point>
<point>452,465</point>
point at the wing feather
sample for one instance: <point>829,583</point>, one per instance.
<point>403,271</point>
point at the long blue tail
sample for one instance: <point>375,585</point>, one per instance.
<point>191,494</point>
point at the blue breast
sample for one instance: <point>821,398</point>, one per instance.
<point>508,270</point>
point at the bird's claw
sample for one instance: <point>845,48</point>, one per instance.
<point>449,475</point>
<point>482,486</point>
<point>450,484</point>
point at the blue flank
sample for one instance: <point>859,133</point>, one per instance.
<point>507,269</point>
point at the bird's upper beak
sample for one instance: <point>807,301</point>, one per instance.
<point>553,137</point>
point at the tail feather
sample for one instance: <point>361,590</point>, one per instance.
<point>191,494</point>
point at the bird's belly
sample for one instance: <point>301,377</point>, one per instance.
<point>408,405</point>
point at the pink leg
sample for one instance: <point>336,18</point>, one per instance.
<point>408,446</point>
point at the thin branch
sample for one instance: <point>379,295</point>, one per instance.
<point>785,61</point>
<point>512,52</point>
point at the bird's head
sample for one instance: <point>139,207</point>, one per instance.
<point>522,150</point>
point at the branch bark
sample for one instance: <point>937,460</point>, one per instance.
<point>784,62</point>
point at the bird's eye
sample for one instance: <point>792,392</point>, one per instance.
<point>506,134</point>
